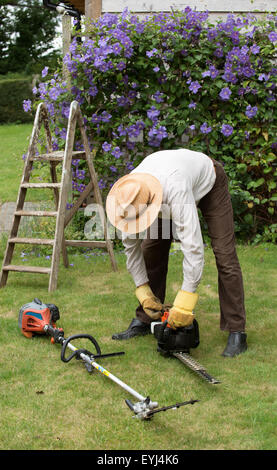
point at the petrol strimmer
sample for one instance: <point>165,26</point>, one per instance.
<point>37,318</point>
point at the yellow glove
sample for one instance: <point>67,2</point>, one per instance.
<point>181,314</point>
<point>151,305</point>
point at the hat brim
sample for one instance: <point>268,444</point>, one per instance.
<point>148,216</point>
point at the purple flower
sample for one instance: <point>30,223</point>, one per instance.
<point>192,105</point>
<point>229,77</point>
<point>218,53</point>
<point>213,72</point>
<point>44,72</point>
<point>255,49</point>
<point>264,77</point>
<point>80,174</point>
<point>225,93</point>
<point>54,93</point>
<point>140,28</point>
<point>151,53</point>
<point>122,101</point>
<point>116,152</point>
<point>159,133</point>
<point>81,187</point>
<point>27,104</point>
<point>55,145</point>
<point>113,168</point>
<point>130,145</point>
<point>63,133</point>
<point>156,69</point>
<point>93,90</point>
<point>71,64</point>
<point>153,113</point>
<point>194,87</point>
<point>117,48</point>
<point>121,65</point>
<point>129,166</point>
<point>212,34</point>
<point>248,71</point>
<point>158,97</point>
<point>95,118</point>
<point>135,129</point>
<point>205,129</point>
<point>121,130</point>
<point>105,116</point>
<point>272,36</point>
<point>42,90</point>
<point>101,184</point>
<point>106,147</point>
<point>50,108</point>
<point>235,37</point>
<point>251,111</point>
<point>226,130</point>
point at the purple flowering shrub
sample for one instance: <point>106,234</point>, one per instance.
<point>174,79</point>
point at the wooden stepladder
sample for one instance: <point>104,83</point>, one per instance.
<point>62,215</point>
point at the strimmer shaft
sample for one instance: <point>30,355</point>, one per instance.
<point>195,366</point>
<point>108,374</point>
<point>144,408</point>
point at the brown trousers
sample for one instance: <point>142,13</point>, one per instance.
<point>217,211</point>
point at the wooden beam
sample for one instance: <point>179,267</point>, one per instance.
<point>213,6</point>
<point>93,9</point>
<point>66,33</point>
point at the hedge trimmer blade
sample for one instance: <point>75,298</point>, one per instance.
<point>186,359</point>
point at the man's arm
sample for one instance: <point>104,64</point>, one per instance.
<point>151,305</point>
<point>135,261</point>
<point>187,230</point>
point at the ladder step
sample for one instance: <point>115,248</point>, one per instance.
<point>36,213</point>
<point>41,185</point>
<point>32,241</point>
<point>58,156</point>
<point>86,243</point>
<point>27,269</point>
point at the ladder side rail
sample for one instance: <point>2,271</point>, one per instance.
<point>97,192</point>
<point>22,192</point>
<point>59,233</point>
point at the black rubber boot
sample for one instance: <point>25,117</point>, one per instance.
<point>236,344</point>
<point>136,328</point>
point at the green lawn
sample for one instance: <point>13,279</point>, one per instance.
<point>47,404</point>
<point>14,141</point>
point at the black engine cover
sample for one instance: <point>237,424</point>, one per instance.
<point>180,340</point>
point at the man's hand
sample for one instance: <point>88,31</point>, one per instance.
<point>181,314</point>
<point>151,305</point>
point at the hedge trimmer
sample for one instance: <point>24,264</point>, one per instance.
<point>37,318</point>
<point>178,343</point>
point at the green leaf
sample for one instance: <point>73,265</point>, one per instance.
<point>271,185</point>
<point>248,218</point>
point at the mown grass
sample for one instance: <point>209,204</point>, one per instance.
<point>47,404</point>
<point>14,141</point>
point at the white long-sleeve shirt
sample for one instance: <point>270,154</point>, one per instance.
<point>186,176</point>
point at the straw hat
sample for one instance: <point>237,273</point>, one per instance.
<point>133,202</point>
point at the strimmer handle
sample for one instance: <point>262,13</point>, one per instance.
<point>75,353</point>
